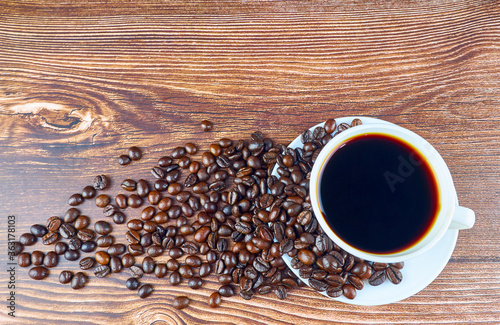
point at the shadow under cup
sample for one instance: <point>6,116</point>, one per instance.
<point>378,192</point>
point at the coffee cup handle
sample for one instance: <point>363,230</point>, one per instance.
<point>463,218</point>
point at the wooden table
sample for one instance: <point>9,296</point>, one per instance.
<point>81,81</point>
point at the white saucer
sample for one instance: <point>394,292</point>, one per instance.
<point>418,272</point>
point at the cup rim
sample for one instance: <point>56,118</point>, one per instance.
<point>441,174</point>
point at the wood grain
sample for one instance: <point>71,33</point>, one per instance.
<point>81,81</point>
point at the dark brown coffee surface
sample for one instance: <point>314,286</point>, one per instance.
<point>378,194</point>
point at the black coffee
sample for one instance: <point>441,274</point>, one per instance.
<point>378,194</point>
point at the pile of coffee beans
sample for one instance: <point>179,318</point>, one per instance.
<point>235,213</point>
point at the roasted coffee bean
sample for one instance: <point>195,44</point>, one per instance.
<point>128,260</point>
<point>134,153</point>
<point>148,265</point>
<point>102,227</point>
<point>145,291</point>
<point>60,248</point>
<point>398,265</point>
<point>88,246</point>
<point>72,255</point>
<point>115,264</point>
<point>158,173</point>
<point>109,210</point>
<point>394,274</point>
<point>214,300</point>
<point>129,185</point>
<point>38,230</point>
<point>205,269</point>
<point>189,248</point>
<point>65,277</point>
<point>186,271</point>
<point>15,248</point>
<point>136,271</point>
<point>102,270</point>
<point>330,126</point>
<point>88,192</point>
<point>165,161</point>
<point>71,215</point>
<point>318,285</point>
<point>75,243</point>
<point>135,249</point>
<point>38,273</point>
<point>82,222</point>
<point>226,290</point>
<point>75,199</point>
<point>102,200</point>
<point>79,280</point>
<point>143,188</point>
<point>24,259</point>
<point>117,249</point>
<point>105,241</point>
<point>334,292</point>
<point>134,201</point>
<point>27,239</point>
<point>53,224</point>
<point>280,292</point>
<point>206,125</point>
<point>154,250</point>
<point>356,281</point>
<point>102,257</point>
<point>175,278</point>
<point>86,234</point>
<point>180,302</point>
<point>51,259</point>
<point>100,182</point>
<point>132,283</point>
<point>86,263</point>
<point>119,218</point>
<point>124,160</point>
<point>349,291</point>
<point>37,257</point>
<point>160,270</point>
<point>50,238</point>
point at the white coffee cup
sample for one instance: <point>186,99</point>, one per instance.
<point>449,216</point>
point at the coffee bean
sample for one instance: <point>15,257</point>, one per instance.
<point>175,278</point>
<point>53,224</point>
<point>16,248</point>
<point>143,188</point>
<point>75,199</point>
<point>128,260</point>
<point>51,259</point>
<point>119,218</point>
<point>27,239</point>
<point>102,270</point>
<point>82,222</point>
<point>109,210</point>
<point>160,270</point>
<point>102,227</point>
<point>105,241</point>
<point>72,255</point>
<point>71,215</point>
<point>86,234</point>
<point>148,265</point>
<point>86,263</point>
<point>60,248</point>
<point>226,291</point>
<point>134,153</point>
<point>205,269</point>
<point>50,238</point>
<point>330,126</point>
<point>214,300</point>
<point>165,161</point>
<point>206,125</point>
<point>24,259</point>
<point>136,271</point>
<point>349,291</point>
<point>102,200</point>
<point>134,201</point>
<point>129,185</point>
<point>102,257</point>
<point>124,160</point>
<point>100,182</point>
<point>158,173</point>
<point>79,280</point>
<point>88,246</point>
<point>65,277</point>
<point>132,283</point>
<point>135,249</point>
<point>88,192</point>
<point>394,274</point>
<point>38,230</point>
<point>117,249</point>
<point>180,302</point>
<point>280,292</point>
<point>38,272</point>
